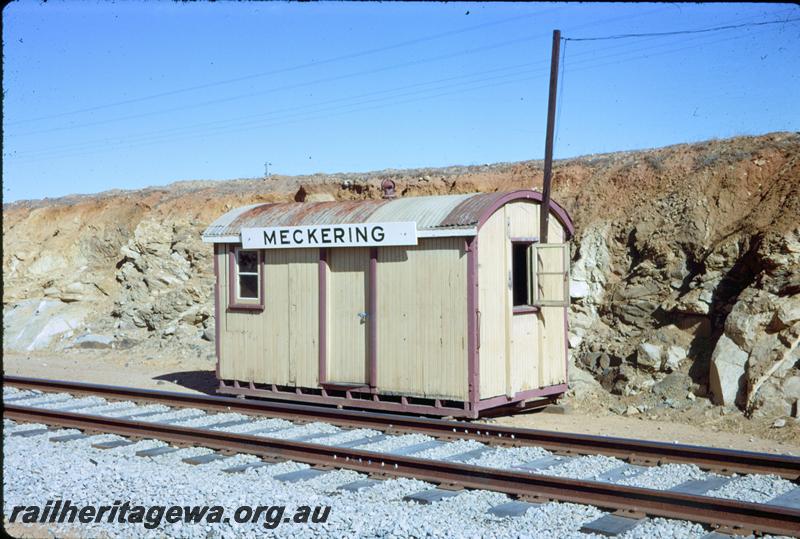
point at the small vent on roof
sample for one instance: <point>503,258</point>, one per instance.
<point>387,186</point>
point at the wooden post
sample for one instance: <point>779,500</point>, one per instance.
<point>544,211</point>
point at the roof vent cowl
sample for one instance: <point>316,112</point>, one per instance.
<point>387,186</point>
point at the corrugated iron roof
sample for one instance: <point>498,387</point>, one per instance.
<point>459,214</point>
<point>429,212</point>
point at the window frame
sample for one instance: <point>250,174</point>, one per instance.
<point>565,261</point>
<point>234,301</point>
<point>528,307</point>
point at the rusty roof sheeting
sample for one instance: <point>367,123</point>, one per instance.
<point>470,210</point>
<point>431,213</point>
<point>428,211</point>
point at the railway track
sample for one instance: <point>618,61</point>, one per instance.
<point>639,452</point>
<point>739,517</point>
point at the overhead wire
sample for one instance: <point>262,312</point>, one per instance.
<point>681,32</point>
<point>249,117</point>
<point>286,87</point>
<point>247,126</point>
<point>562,77</point>
<point>584,65</point>
<point>323,80</point>
<point>560,91</point>
<point>262,74</point>
<point>236,127</point>
<point>637,53</point>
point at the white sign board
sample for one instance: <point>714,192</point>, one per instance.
<point>356,235</point>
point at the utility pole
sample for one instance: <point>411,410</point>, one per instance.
<point>544,209</point>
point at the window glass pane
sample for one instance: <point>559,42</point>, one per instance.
<point>248,286</point>
<point>520,273</point>
<point>248,261</point>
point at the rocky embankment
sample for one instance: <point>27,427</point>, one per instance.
<point>685,279</point>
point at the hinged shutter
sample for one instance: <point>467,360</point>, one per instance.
<point>550,274</point>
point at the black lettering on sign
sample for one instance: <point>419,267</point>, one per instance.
<point>284,237</point>
<point>312,235</point>
<point>269,237</point>
<point>296,239</point>
<point>338,235</point>
<point>325,234</point>
<point>378,233</point>
<point>361,234</point>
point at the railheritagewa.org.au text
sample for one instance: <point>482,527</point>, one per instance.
<point>151,517</point>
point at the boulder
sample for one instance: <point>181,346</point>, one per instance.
<point>636,312</point>
<point>751,313</point>
<point>89,340</point>
<point>771,359</point>
<point>775,399</point>
<point>582,383</point>
<point>209,335</point>
<point>727,374</point>
<point>648,356</point>
<point>579,289</point>
<point>74,292</point>
<point>581,319</point>
<point>787,313</point>
<point>675,355</point>
<point>674,386</point>
<point>588,271</point>
<point>38,324</point>
<point>697,301</point>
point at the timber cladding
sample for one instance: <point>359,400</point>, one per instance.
<point>280,343</point>
<point>422,319</point>
<point>448,323</point>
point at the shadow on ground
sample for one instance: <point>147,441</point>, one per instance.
<point>203,381</point>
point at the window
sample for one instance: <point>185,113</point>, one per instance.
<point>246,276</point>
<point>550,274</point>
<point>539,275</point>
<point>520,274</point>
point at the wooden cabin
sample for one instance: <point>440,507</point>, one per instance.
<point>444,305</point>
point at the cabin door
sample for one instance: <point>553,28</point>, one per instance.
<point>348,316</point>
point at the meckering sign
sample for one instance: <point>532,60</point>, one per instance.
<point>355,235</point>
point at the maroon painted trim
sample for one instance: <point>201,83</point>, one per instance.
<point>361,388</point>
<point>374,401</point>
<point>525,194</point>
<point>473,322</point>
<point>322,267</point>
<point>566,346</point>
<point>372,317</point>
<point>217,330</point>
<point>232,305</point>
<point>502,400</point>
<point>524,309</point>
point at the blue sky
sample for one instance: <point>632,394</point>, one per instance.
<point>104,95</point>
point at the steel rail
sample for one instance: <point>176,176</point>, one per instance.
<point>717,512</point>
<point>632,450</point>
